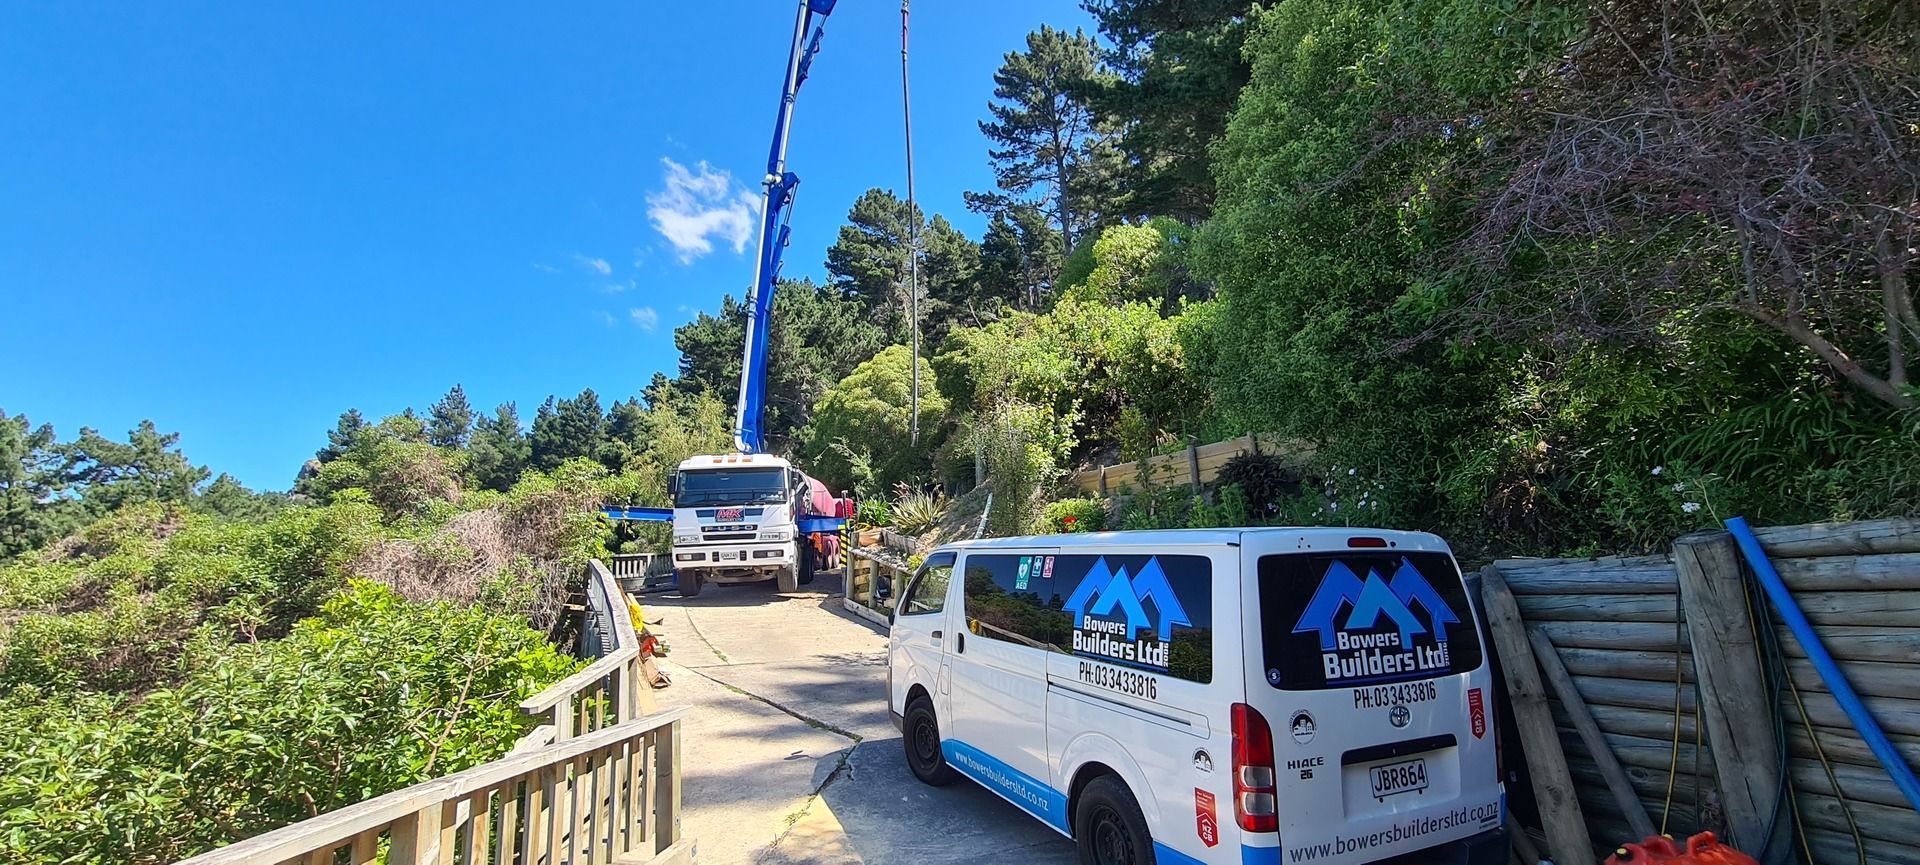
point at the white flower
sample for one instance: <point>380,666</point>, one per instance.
<point>1333,507</point>
<point>1679,488</point>
<point>1690,507</point>
<point>1351,471</point>
<point>1659,469</point>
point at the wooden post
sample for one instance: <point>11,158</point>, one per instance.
<point>1193,464</point>
<point>1553,789</point>
<point>666,789</point>
<point>1103,482</point>
<point>1589,730</point>
<point>1734,700</point>
<point>416,838</point>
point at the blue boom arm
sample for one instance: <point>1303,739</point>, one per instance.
<point>780,185</point>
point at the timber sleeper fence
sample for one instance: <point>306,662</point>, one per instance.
<point>1624,664</point>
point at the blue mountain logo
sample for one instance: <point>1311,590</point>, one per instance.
<point>1103,591</point>
<point>1371,599</point>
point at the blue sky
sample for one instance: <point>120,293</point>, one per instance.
<point>240,219</point>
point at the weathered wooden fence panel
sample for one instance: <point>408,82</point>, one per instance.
<point>1623,631</point>
<point>1181,469</point>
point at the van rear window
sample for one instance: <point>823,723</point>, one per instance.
<point>1331,620</point>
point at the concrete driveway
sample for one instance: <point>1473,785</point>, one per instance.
<point>790,756</point>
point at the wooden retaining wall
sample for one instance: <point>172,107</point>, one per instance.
<point>1196,465</point>
<point>1624,630</point>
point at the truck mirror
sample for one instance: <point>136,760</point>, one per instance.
<point>673,484</point>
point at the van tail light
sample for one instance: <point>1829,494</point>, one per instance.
<point>1255,804</point>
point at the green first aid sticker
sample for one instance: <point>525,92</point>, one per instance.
<point>1026,569</point>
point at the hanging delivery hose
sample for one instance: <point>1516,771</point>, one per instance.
<point>1823,663</point>
<point>913,238</point>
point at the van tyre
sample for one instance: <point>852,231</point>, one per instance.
<point>689,582</point>
<point>921,732</point>
<point>1108,826</point>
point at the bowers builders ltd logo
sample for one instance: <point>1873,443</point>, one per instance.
<point>1362,647</point>
<point>1110,610</point>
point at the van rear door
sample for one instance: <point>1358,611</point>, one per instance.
<point>1363,659</point>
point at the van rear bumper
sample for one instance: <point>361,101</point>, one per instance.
<point>1487,848</point>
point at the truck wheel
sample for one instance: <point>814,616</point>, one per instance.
<point>787,579</point>
<point>689,582</point>
<point>806,564</point>
<point>922,735</point>
<point>1108,827</point>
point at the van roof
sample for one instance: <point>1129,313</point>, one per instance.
<point>1331,536</point>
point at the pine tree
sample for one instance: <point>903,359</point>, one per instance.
<point>498,452</point>
<point>32,511</point>
<point>868,261</point>
<point>351,426</point>
<point>450,421</point>
<point>1181,67</point>
<point>1047,138</point>
<point>567,429</point>
<point>1019,259</point>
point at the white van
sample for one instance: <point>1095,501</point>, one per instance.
<point>1218,696</point>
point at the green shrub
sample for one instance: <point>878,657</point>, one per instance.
<point>1073,515</point>
<point>873,512</point>
<point>370,696</point>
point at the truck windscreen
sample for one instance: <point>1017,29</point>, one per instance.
<point>731,487</point>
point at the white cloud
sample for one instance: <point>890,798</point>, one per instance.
<point>645,317</point>
<point>545,268</point>
<point>606,318</point>
<point>597,265</point>
<point>701,206</point>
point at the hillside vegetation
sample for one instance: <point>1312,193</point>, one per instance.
<point>1543,276</point>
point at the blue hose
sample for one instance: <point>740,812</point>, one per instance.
<point>1837,683</point>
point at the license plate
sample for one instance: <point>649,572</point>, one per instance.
<point>724,556</point>
<point>1394,778</point>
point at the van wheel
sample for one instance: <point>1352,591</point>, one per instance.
<point>689,582</point>
<point>1108,826</point>
<point>922,735</point>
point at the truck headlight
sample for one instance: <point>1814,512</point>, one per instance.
<point>686,539</point>
<point>775,535</point>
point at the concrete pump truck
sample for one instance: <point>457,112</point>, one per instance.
<point>750,516</point>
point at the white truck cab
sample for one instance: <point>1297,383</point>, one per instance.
<point>1272,695</point>
<point>736,520</point>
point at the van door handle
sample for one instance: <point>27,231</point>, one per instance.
<point>936,635</point>
<point>960,643</point>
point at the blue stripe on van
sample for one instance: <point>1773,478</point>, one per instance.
<point>1259,855</point>
<point>1032,795</point>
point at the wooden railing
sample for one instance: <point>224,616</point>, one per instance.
<point>610,796</point>
<point>608,691</point>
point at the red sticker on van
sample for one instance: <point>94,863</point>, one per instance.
<point>1478,708</point>
<point>1203,818</point>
